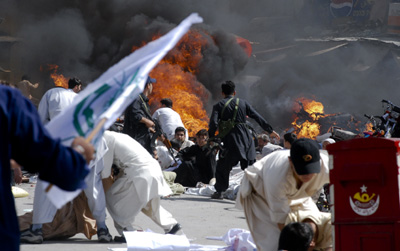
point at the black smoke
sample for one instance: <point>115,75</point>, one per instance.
<point>86,37</point>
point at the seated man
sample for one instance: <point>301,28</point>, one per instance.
<point>180,135</point>
<point>198,162</point>
<point>269,147</point>
<point>138,187</point>
<point>265,145</point>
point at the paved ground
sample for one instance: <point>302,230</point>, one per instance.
<point>199,216</point>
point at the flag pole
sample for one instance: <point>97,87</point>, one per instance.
<point>88,139</point>
<point>96,130</point>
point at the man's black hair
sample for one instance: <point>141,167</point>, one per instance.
<point>74,82</point>
<point>167,102</point>
<point>228,88</point>
<point>180,129</point>
<point>290,137</point>
<point>25,77</point>
<point>296,236</point>
<point>202,132</point>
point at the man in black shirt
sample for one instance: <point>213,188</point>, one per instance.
<point>138,122</point>
<point>238,142</point>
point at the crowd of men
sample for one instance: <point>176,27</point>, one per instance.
<point>128,173</point>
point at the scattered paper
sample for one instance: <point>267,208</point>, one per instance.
<point>141,241</point>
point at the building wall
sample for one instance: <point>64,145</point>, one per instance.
<point>8,44</point>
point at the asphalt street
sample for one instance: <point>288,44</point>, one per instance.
<point>199,216</point>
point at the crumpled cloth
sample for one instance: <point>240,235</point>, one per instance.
<point>235,177</point>
<point>239,239</point>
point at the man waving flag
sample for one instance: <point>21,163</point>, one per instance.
<point>97,107</point>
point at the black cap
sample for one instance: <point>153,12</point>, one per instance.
<point>304,154</point>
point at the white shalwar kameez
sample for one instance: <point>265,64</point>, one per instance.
<point>268,191</point>
<point>53,102</point>
<point>44,210</point>
<point>169,120</point>
<point>139,188</point>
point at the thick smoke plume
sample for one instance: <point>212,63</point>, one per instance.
<point>86,37</point>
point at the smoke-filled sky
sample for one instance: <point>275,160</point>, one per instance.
<point>86,37</point>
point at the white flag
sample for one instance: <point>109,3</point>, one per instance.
<point>109,95</point>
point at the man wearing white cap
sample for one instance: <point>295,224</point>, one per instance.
<point>278,184</point>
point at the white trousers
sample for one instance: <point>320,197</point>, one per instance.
<point>123,204</point>
<point>44,210</point>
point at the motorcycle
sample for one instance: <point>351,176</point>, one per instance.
<point>387,125</point>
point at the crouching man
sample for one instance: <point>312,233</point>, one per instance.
<point>139,185</point>
<point>278,184</point>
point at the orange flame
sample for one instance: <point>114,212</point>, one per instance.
<point>307,129</point>
<point>176,80</point>
<point>369,127</point>
<point>310,128</point>
<point>59,79</point>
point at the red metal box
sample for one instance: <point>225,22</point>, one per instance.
<point>364,180</point>
<point>367,237</point>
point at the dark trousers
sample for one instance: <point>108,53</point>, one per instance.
<point>224,166</point>
<point>187,174</point>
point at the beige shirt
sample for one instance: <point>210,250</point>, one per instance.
<point>321,219</point>
<point>25,87</point>
<point>267,192</point>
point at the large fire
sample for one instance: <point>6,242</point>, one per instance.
<point>176,80</point>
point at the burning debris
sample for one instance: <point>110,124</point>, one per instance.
<point>311,121</point>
